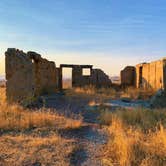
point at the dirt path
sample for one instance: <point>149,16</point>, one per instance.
<point>89,138</point>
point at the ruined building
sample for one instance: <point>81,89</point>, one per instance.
<point>145,75</point>
<point>29,75</point>
<point>128,76</point>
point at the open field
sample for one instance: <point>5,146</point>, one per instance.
<point>70,130</point>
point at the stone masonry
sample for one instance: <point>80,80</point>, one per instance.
<point>146,75</point>
<point>151,75</point>
<point>96,77</point>
<point>128,76</point>
<point>28,75</point>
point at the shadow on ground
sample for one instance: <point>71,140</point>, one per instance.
<point>78,156</point>
<point>71,106</point>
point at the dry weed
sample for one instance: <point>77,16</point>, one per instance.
<point>130,146</point>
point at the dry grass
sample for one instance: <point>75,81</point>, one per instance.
<point>2,95</point>
<point>31,150</point>
<point>103,93</point>
<point>135,93</point>
<point>29,137</point>
<point>142,119</point>
<point>67,83</point>
<point>90,90</point>
<point>115,93</point>
<point>129,146</point>
<point>15,117</point>
<point>136,137</point>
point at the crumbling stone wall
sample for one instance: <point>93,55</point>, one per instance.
<point>19,75</point>
<point>28,75</point>
<point>45,74</point>
<point>146,75</point>
<point>78,79</point>
<point>128,76</point>
<point>151,75</point>
<point>96,77</point>
<point>100,79</point>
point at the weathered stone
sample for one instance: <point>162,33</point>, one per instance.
<point>146,75</point>
<point>19,75</point>
<point>95,78</point>
<point>151,75</point>
<point>28,75</point>
<point>34,56</point>
<point>100,79</point>
<point>128,76</point>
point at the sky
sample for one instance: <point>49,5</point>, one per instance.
<point>108,34</point>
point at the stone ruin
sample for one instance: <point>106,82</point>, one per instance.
<point>29,75</point>
<point>145,75</point>
<point>128,76</point>
<point>96,77</point>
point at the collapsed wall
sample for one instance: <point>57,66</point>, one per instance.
<point>151,75</point>
<point>78,77</point>
<point>28,75</point>
<point>128,76</point>
<point>45,74</point>
<point>94,77</point>
<point>19,75</point>
<point>100,79</point>
<point>146,75</point>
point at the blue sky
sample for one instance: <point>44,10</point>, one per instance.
<point>106,33</point>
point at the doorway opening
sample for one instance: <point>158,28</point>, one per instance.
<point>66,78</point>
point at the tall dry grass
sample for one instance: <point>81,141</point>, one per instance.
<point>31,137</point>
<point>115,93</point>
<point>137,93</point>
<point>92,91</point>
<point>35,149</point>
<point>128,146</point>
<point>15,117</point>
<point>143,119</point>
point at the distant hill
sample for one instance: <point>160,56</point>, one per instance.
<point>2,81</point>
<point>115,79</point>
<point>2,77</point>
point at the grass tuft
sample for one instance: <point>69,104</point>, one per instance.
<point>130,146</point>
